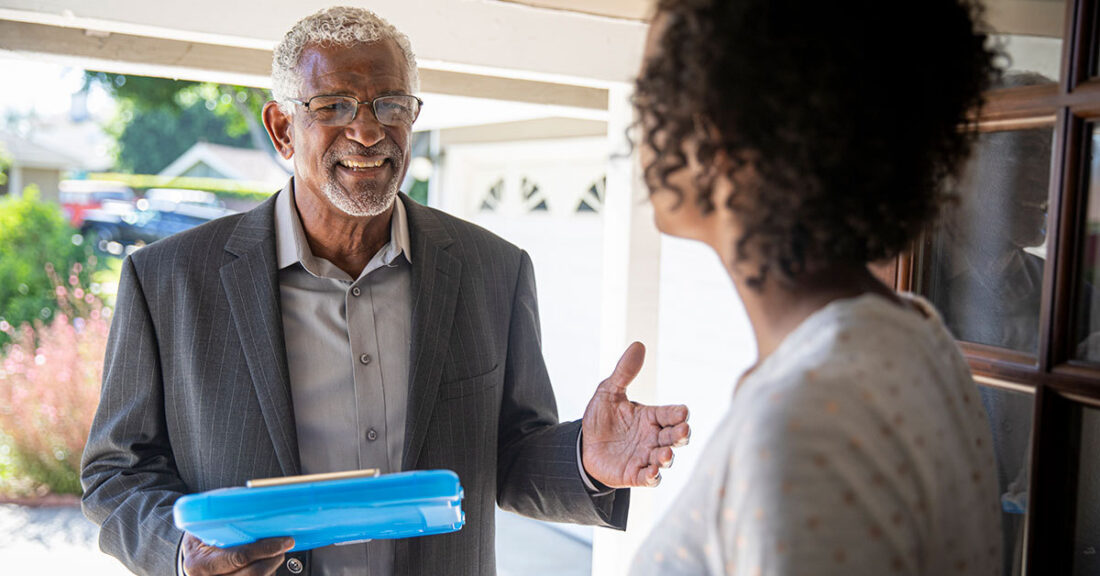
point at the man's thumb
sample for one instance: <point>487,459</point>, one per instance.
<point>629,365</point>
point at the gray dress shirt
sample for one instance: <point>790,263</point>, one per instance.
<point>347,343</point>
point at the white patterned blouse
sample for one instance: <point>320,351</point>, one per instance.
<point>860,446</point>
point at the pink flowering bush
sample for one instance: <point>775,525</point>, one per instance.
<point>49,385</point>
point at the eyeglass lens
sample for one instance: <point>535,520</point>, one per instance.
<point>340,110</point>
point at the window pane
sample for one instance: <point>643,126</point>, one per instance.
<point>1086,332</point>
<point>1010,415</point>
<point>982,266</point>
<point>1086,547</point>
<point>1030,32</point>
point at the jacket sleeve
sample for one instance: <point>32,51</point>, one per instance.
<point>537,472</point>
<point>128,472</point>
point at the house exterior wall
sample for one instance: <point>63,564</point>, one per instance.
<point>202,170</point>
<point>47,181</point>
<point>696,358</point>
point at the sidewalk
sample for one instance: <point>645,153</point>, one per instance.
<point>58,540</point>
<point>52,541</point>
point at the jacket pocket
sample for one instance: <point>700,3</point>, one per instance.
<point>468,385</point>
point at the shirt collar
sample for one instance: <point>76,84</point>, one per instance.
<point>291,246</point>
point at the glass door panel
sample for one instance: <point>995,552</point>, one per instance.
<point>982,266</point>
<point>1010,416</point>
<point>1086,546</point>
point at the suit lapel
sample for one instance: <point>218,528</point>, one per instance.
<point>434,288</point>
<point>251,284</point>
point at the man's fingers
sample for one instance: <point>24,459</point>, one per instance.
<point>662,457</point>
<point>649,476</point>
<point>629,365</point>
<point>273,546</point>
<point>263,549</point>
<point>675,436</point>
<point>671,415</point>
<point>261,567</point>
<point>211,560</point>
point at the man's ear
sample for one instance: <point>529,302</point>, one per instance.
<point>278,125</point>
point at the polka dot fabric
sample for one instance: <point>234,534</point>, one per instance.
<point>858,447</point>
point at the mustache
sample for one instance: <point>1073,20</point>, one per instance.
<point>384,148</point>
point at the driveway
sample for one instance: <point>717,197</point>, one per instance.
<point>50,541</point>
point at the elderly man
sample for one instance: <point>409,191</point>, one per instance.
<point>341,326</point>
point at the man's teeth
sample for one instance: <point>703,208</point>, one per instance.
<point>357,165</point>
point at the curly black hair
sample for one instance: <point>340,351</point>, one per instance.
<point>849,115</point>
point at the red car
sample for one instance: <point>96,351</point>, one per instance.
<point>79,196</point>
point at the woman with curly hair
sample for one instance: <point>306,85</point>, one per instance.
<point>803,141</point>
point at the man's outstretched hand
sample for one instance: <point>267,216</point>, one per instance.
<point>624,443</point>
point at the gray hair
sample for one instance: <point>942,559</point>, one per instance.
<point>340,26</point>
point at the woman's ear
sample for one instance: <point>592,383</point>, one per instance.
<point>279,128</point>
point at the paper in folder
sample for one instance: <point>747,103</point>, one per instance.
<point>326,509</point>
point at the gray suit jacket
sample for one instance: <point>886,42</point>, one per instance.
<point>196,394</point>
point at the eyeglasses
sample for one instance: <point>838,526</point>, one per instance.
<point>393,110</point>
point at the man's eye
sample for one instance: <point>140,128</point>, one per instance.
<point>329,106</point>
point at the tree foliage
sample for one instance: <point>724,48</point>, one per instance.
<point>34,237</point>
<point>5,163</point>
<point>158,119</point>
<point>147,142</point>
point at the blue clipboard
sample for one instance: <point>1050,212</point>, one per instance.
<point>317,513</point>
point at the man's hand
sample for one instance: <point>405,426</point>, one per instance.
<point>260,558</point>
<point>624,443</point>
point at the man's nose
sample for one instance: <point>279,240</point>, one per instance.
<point>365,128</point>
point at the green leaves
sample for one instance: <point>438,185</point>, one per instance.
<point>158,119</point>
<point>5,163</point>
<point>33,235</point>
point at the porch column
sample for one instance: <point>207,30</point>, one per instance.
<point>631,276</point>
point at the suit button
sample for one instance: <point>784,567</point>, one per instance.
<point>372,435</point>
<point>364,358</point>
<point>294,565</point>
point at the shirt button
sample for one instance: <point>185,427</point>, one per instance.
<point>355,291</point>
<point>364,358</point>
<point>372,435</point>
<point>294,565</point>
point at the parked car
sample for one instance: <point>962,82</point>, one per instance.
<point>117,228</point>
<point>170,198</point>
<point>80,196</point>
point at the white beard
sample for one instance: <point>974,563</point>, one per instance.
<point>359,205</point>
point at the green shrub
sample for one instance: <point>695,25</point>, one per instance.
<point>33,234</point>
<point>5,163</point>
<point>256,197</point>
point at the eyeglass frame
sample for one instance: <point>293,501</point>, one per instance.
<point>305,104</point>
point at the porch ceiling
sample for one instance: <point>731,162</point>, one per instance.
<point>624,9</point>
<point>481,37</point>
<point>144,55</point>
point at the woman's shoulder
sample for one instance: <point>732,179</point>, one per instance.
<point>857,342</point>
<point>868,367</point>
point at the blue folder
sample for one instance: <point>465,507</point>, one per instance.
<point>327,512</point>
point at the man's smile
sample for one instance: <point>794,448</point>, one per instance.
<point>364,167</point>
<point>361,164</point>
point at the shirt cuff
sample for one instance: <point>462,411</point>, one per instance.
<point>179,561</point>
<point>593,486</point>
